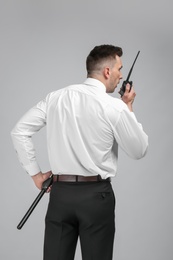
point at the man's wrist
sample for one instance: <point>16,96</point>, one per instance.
<point>130,107</point>
<point>36,176</point>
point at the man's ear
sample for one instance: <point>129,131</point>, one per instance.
<point>106,72</point>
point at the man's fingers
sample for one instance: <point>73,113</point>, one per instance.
<point>49,189</point>
<point>130,90</point>
<point>46,175</point>
<point>127,88</point>
<point>40,178</point>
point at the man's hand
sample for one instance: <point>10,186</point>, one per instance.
<point>129,97</point>
<point>39,178</point>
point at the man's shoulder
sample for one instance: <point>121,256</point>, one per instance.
<point>62,90</point>
<point>115,103</point>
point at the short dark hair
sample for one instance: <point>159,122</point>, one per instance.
<point>101,53</point>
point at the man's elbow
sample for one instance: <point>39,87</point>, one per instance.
<point>142,154</point>
<point>140,151</point>
<point>13,132</point>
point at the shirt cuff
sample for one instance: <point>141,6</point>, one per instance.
<point>32,169</point>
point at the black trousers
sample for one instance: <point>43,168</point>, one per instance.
<point>84,210</point>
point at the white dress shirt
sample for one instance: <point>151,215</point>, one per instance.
<point>85,126</point>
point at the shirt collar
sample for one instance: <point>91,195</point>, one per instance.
<point>95,83</point>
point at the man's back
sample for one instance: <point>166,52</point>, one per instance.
<point>79,131</point>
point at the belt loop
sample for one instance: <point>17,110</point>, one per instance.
<point>76,178</point>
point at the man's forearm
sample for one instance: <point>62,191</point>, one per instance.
<point>22,133</point>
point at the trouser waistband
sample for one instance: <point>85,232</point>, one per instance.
<point>78,178</point>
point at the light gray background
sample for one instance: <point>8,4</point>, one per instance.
<point>43,47</point>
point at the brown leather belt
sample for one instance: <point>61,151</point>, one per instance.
<point>78,178</point>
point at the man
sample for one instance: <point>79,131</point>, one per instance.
<point>85,126</point>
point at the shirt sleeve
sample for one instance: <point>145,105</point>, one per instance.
<point>130,136</point>
<point>22,134</point>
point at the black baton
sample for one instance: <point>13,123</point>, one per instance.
<point>46,184</point>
